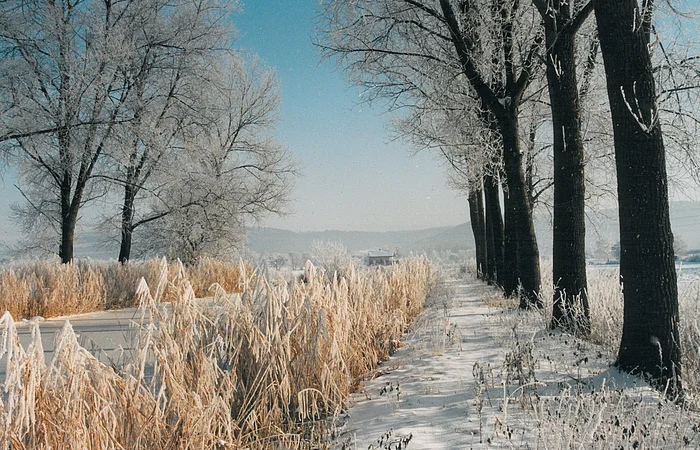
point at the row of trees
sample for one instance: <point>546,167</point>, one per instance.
<point>144,105</point>
<point>472,77</point>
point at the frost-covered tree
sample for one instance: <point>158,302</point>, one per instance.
<point>141,99</point>
<point>82,81</point>
<point>174,51</point>
<point>229,170</point>
<point>331,255</point>
<point>395,47</point>
<point>650,342</point>
<point>60,75</point>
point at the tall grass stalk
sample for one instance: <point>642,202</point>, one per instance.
<point>261,369</point>
<point>50,289</point>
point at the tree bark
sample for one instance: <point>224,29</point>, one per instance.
<point>519,223</point>
<point>127,224</point>
<point>481,217</point>
<point>650,342</point>
<point>478,224</point>
<point>510,247</point>
<point>69,219</point>
<point>530,167</point>
<point>570,304</point>
<point>494,231</point>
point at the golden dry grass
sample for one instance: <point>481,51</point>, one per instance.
<point>50,289</point>
<point>263,369</point>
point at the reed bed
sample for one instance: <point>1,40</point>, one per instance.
<point>50,289</point>
<point>267,368</point>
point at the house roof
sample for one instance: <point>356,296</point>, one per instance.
<point>380,254</point>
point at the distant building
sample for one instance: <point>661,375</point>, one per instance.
<point>380,258</point>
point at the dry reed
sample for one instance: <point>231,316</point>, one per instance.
<point>262,369</point>
<point>50,289</point>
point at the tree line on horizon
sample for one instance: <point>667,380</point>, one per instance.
<point>484,82</point>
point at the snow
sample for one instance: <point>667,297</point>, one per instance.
<point>474,376</point>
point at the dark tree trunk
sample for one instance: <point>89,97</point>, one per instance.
<point>68,213</point>
<point>478,224</point>
<point>519,223</point>
<point>125,244</point>
<point>474,222</point>
<point>510,247</point>
<point>530,167</point>
<point>68,221</point>
<point>503,103</point>
<point>650,337</point>
<point>481,217</point>
<point>494,231</point>
<point>127,224</point>
<point>570,307</point>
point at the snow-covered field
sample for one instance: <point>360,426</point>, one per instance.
<point>475,376</point>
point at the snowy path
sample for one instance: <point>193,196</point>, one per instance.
<point>428,390</point>
<point>472,376</point>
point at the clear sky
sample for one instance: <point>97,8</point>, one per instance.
<point>353,177</point>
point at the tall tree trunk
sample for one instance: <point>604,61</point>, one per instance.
<point>127,224</point>
<point>481,217</point>
<point>510,246</point>
<point>503,103</point>
<point>530,167</point>
<point>519,223</point>
<point>478,224</point>
<point>570,306</point>
<point>650,337</point>
<point>474,222</point>
<point>69,214</point>
<point>494,230</point>
<point>69,219</point>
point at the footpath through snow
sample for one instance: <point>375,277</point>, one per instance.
<point>472,376</point>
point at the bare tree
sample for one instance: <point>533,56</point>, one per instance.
<point>229,171</point>
<point>650,342</point>
<point>72,70</point>
<point>61,63</point>
<point>562,20</point>
<point>393,47</point>
<point>172,70</point>
<point>332,256</point>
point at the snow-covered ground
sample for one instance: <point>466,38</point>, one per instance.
<point>688,272</point>
<point>471,375</point>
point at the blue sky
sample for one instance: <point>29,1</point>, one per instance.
<point>353,177</point>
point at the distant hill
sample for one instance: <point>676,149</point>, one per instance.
<point>275,240</point>
<point>601,227</point>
